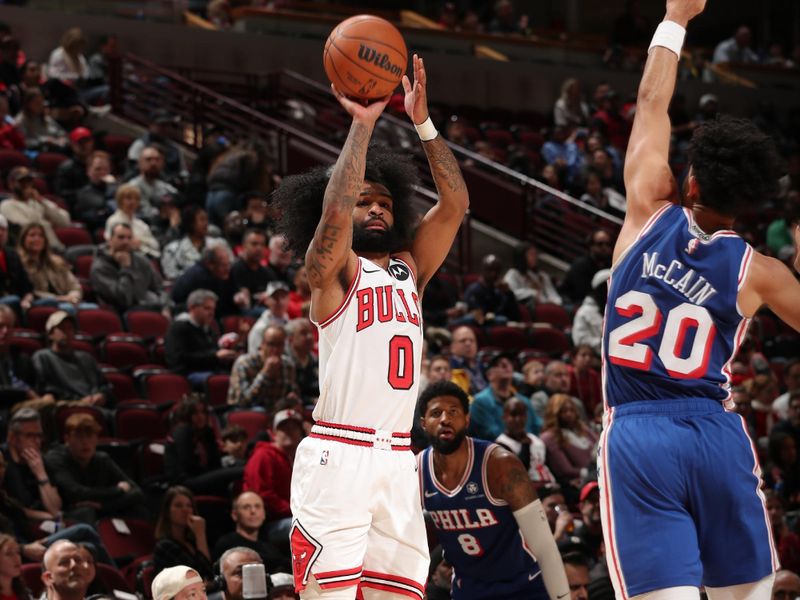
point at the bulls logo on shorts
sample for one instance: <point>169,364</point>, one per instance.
<point>305,551</point>
<point>399,272</point>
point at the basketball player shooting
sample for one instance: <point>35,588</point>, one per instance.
<point>679,476</point>
<point>355,492</point>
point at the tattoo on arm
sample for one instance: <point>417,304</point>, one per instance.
<point>515,485</point>
<point>444,166</point>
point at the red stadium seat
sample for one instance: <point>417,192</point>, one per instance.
<point>553,341</point>
<point>511,339</point>
<point>499,138</point>
<point>125,354</point>
<point>47,162</point>
<point>253,422</point>
<point>37,316</point>
<point>12,158</point>
<point>151,459</point>
<point>217,390</point>
<point>26,340</point>
<point>166,387</point>
<point>124,387</point>
<point>99,322</point>
<point>117,145</point>
<point>84,346</point>
<point>139,542</point>
<point>83,265</point>
<point>555,315</point>
<point>32,576</point>
<point>144,580</point>
<point>147,324</point>
<point>73,236</point>
<point>135,422</point>
<point>110,579</point>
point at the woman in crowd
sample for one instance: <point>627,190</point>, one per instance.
<point>181,254</point>
<point>181,534</point>
<point>53,282</point>
<point>585,380</point>
<point>128,198</point>
<point>531,285</point>
<point>570,109</point>
<point>570,442</point>
<point>11,585</point>
<point>192,457</point>
<point>42,132</point>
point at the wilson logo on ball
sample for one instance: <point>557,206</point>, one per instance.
<point>380,60</point>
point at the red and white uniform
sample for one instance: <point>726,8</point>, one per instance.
<point>355,491</point>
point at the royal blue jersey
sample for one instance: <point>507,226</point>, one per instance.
<point>478,532</point>
<point>672,324</point>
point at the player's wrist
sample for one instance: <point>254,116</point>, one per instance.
<point>670,34</point>
<point>426,130</point>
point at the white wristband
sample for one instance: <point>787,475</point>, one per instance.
<point>668,35</point>
<point>426,130</point>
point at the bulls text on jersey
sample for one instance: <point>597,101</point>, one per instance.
<point>377,303</point>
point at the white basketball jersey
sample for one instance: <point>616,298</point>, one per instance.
<point>370,351</point>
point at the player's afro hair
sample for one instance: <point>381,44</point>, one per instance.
<point>441,388</point>
<point>736,165</point>
<point>299,197</point>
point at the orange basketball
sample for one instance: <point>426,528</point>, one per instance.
<point>365,57</point>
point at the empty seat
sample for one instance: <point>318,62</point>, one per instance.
<point>125,354</point>
<point>147,324</point>
<point>139,542</point>
<point>135,422</point>
<point>36,317</point>
<point>217,389</point>
<point>99,322</point>
<point>47,162</point>
<point>73,236</point>
<point>124,387</point>
<point>551,340</point>
<point>555,315</point>
<point>166,387</point>
<point>511,339</point>
<point>12,158</point>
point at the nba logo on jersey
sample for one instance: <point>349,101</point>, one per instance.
<point>323,460</point>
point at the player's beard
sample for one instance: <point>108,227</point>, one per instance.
<point>374,241</point>
<point>448,446</point>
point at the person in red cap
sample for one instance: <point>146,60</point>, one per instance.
<point>71,174</point>
<point>590,531</point>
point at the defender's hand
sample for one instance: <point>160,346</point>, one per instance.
<point>416,100</point>
<point>683,11</point>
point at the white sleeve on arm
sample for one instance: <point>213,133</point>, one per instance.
<point>536,531</point>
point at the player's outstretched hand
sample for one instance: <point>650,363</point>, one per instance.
<point>367,113</point>
<point>416,100</point>
<point>685,9</point>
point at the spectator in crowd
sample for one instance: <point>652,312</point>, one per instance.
<point>299,349</point>
<point>532,379</point>
<point>99,60</point>
<point>570,110</point>
<point>763,390</point>
<point>268,473</point>
<point>440,577</point>
<point>257,213</point>
<point>191,344</point>
<point>167,227</point>
<point>15,286</point>
<point>276,299</point>
<point>587,326</point>
<point>179,582</point>
<point>563,153</point>
<point>281,261</point>
<point>742,404</point>
<point>211,272</point>
<point>92,201</point>
<point>11,138</point>
<point>708,108</point>
<point>26,478</point>
<point>606,199</point>
<point>266,377</point>
<point>736,49</point>
<point>610,121</point>
<point>527,447</point>
<point>584,379</point>
<point>53,282</point>
<point>559,517</point>
<point>780,231</point>
<point>486,410</point>
<point>192,456</point>
<point>570,442</point>
<point>17,376</point>
<point>181,535</point>
<point>791,382</point>
<point>786,540</point>
<point>489,299</point>
<point>464,361</point>
<point>786,586</point>
<point>576,565</point>
<point>231,566</point>
<point>556,381</point>
<point>530,284</point>
<point>67,374</point>
<point>67,62</point>
<point>41,131</point>
<point>589,531</point>
<point>234,446</point>
<point>577,282</point>
<point>782,472</point>
<point>124,278</point>
<point>151,182</point>
<point>30,74</point>
<point>162,126</point>
<point>127,198</point>
<point>300,296</point>
<point>249,516</point>
<point>181,254</point>
<point>243,168</point>
<point>90,483</point>
<point>27,205</point>
<point>72,174</point>
<point>67,572</point>
<point>791,424</point>
<point>12,587</point>
<point>250,276</point>
<point>282,587</point>
<point>505,19</point>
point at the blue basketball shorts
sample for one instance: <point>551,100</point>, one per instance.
<point>680,498</point>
